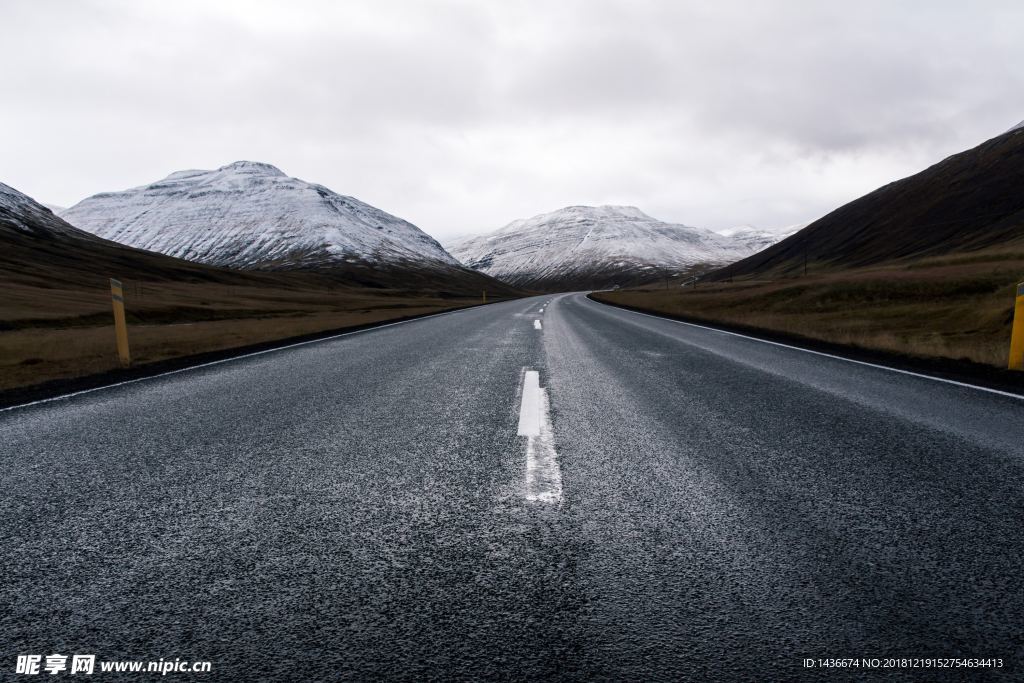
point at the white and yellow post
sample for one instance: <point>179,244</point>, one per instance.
<point>1017,336</point>
<point>120,324</point>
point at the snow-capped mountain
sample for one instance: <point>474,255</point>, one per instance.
<point>251,215</point>
<point>754,239</point>
<point>39,249</point>
<point>22,214</point>
<point>593,246</point>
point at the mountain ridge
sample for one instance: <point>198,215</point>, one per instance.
<point>969,201</point>
<point>592,247</point>
<point>755,239</point>
<point>38,246</point>
<point>250,215</point>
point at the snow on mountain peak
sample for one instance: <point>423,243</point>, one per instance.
<point>23,214</point>
<point>249,214</point>
<point>738,230</point>
<point>605,210</point>
<point>179,175</point>
<point>255,167</point>
<point>754,239</point>
<point>592,246</point>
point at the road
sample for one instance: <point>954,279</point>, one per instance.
<point>660,502</point>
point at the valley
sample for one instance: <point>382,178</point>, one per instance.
<point>512,341</point>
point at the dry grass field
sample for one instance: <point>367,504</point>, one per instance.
<point>67,332</point>
<point>956,307</point>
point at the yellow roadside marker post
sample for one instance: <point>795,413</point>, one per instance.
<point>485,296</point>
<point>1017,336</point>
<point>120,325</point>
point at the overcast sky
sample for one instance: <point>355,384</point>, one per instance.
<point>462,116</point>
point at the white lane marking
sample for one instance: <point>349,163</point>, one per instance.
<point>529,408</point>
<point>537,325</point>
<point>543,474</point>
<point>223,360</point>
<point>1019,397</point>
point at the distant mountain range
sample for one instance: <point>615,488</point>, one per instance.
<point>755,239</point>
<point>40,248</point>
<point>250,215</point>
<point>591,247</point>
<point>968,202</point>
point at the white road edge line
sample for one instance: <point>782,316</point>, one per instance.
<point>224,360</point>
<point>822,353</point>
<point>543,474</point>
<point>537,325</point>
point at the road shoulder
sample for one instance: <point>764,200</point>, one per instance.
<point>963,371</point>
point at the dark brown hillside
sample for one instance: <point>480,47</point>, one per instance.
<point>968,202</point>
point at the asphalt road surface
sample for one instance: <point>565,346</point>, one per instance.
<point>602,496</point>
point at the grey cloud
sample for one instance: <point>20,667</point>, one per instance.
<point>462,115</point>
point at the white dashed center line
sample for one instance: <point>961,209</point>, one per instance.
<point>536,325</point>
<point>543,475</point>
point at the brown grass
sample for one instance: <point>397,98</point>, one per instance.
<point>61,333</point>
<point>954,308</point>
